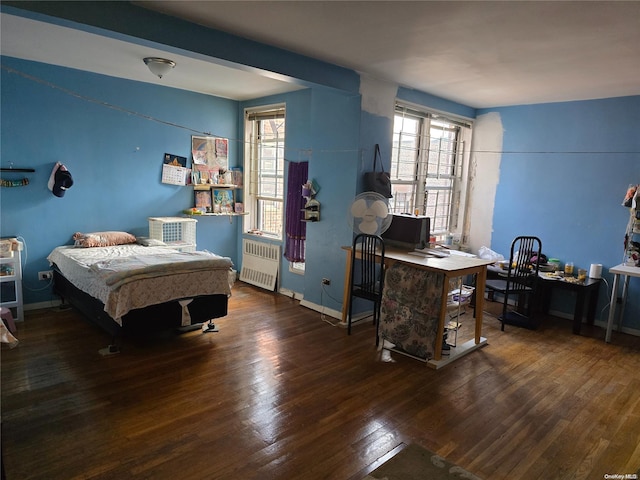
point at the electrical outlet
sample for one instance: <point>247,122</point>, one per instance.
<point>326,281</point>
<point>46,275</point>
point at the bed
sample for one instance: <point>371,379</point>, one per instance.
<point>133,289</point>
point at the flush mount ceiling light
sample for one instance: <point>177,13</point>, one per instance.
<point>159,66</point>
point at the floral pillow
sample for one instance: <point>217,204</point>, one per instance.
<point>102,239</point>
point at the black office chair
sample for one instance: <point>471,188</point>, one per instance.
<point>367,275</point>
<point>519,283</point>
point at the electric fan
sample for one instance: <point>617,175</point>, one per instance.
<point>369,214</point>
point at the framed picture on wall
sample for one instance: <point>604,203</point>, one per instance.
<point>202,199</point>
<point>222,200</point>
<point>237,176</point>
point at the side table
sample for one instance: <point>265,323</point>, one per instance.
<point>587,290</point>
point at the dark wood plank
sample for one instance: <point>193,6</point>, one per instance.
<point>280,393</point>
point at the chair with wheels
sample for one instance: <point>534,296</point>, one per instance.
<point>519,283</point>
<point>367,275</point>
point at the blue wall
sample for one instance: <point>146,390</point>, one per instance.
<point>115,158</point>
<point>335,126</point>
<point>563,175</point>
<point>322,128</point>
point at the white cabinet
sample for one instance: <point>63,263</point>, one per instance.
<point>11,277</point>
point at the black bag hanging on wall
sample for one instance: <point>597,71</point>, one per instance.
<point>375,181</point>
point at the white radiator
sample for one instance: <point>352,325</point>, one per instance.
<point>260,263</point>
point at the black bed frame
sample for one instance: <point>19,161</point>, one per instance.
<point>154,318</point>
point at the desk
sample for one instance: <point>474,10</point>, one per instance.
<point>451,267</point>
<point>628,271</point>
<point>587,290</point>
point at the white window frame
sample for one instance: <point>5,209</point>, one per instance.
<point>297,267</point>
<point>417,152</point>
<point>252,197</point>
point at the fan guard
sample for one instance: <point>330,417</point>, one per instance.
<point>369,214</point>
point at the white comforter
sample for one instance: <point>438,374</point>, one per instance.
<point>121,294</point>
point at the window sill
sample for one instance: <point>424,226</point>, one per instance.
<point>267,236</point>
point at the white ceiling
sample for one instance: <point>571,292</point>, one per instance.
<point>477,53</point>
<point>43,42</point>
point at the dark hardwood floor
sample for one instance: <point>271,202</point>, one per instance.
<point>279,393</point>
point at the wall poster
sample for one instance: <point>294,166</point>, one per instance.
<point>210,153</point>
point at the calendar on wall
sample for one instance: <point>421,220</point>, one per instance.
<point>175,175</point>
<point>174,170</point>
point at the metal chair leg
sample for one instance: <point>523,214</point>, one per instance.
<point>378,326</point>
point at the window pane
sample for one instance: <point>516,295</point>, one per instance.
<point>405,148</point>
<point>270,216</point>
<point>404,163</point>
<point>270,187</point>
<point>297,267</point>
<point>438,203</point>
<point>402,201</point>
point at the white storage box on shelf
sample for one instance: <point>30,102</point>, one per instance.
<point>176,232</point>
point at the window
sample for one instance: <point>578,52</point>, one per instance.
<point>264,167</point>
<point>428,167</point>
<point>297,267</point>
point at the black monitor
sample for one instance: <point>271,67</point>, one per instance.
<point>408,231</point>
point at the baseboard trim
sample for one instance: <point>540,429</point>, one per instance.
<point>322,309</point>
<point>42,305</point>
<point>291,294</point>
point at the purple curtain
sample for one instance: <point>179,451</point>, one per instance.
<point>296,229</point>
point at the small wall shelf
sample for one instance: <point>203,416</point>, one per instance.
<point>311,211</point>
<point>215,186</point>
<point>17,170</point>
<point>222,214</point>
<point>12,182</point>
